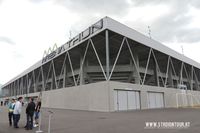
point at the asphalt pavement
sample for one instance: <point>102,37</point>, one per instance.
<point>71,121</point>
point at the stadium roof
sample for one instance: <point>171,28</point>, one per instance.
<point>117,27</point>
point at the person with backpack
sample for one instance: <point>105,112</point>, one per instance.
<point>29,114</point>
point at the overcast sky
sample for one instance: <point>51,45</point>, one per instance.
<point>28,27</point>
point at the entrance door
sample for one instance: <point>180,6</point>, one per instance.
<point>126,100</point>
<point>122,100</point>
<point>155,100</point>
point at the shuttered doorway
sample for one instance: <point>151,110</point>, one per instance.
<point>126,100</point>
<point>155,100</point>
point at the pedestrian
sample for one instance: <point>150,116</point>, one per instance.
<point>29,114</point>
<point>17,112</point>
<point>37,112</point>
<point>11,107</point>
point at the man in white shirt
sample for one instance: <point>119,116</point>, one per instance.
<point>17,112</point>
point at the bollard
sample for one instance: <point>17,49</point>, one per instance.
<point>40,120</point>
<point>50,114</point>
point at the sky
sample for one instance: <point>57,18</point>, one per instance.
<point>29,27</point>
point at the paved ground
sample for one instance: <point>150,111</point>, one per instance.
<point>69,121</point>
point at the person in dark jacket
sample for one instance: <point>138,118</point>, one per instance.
<point>29,114</point>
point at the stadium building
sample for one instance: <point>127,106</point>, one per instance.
<point>110,67</point>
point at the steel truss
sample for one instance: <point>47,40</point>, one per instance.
<point>94,61</point>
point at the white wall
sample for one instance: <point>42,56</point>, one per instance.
<point>92,97</point>
<point>169,94</point>
<point>100,96</point>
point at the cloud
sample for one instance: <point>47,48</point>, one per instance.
<point>174,25</point>
<point>189,35</point>
<point>168,27</point>
<point>38,1</point>
<point>6,40</point>
<point>177,3</point>
<point>171,26</point>
<point>114,7</point>
<point>16,54</point>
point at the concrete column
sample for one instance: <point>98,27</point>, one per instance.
<point>107,55</point>
<point>9,90</point>
<point>10,93</point>
<point>82,75</point>
<point>43,79</point>
<point>156,73</point>
<point>86,74</point>
<point>144,99</point>
<point>64,76</point>
<point>54,78</point>
<point>20,86</point>
<point>132,71</point>
<point>196,82</point>
<point>15,88</point>
<point>136,76</point>
<point>170,79</point>
<point>34,82</point>
<point>181,74</point>
<point>191,80</point>
<point>12,89</point>
<point>52,81</point>
<point>27,92</point>
<point>23,86</point>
